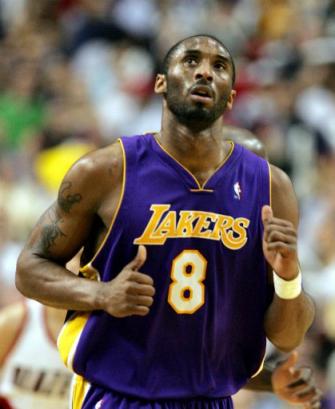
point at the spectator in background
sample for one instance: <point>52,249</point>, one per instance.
<point>31,372</point>
<point>21,113</point>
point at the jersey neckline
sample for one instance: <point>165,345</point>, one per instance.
<point>191,180</point>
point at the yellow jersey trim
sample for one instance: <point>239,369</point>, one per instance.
<point>270,185</point>
<point>202,190</point>
<point>79,389</point>
<point>201,187</point>
<point>260,369</point>
<point>88,266</point>
<point>90,272</point>
<point>69,336</point>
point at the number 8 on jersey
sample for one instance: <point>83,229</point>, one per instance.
<point>187,291</point>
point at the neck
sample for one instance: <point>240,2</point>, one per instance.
<point>198,150</point>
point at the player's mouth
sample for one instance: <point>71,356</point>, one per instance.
<point>202,93</point>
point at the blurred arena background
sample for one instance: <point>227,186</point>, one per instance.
<point>76,74</point>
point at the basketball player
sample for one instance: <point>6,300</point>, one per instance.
<point>17,316</point>
<point>26,326</point>
<point>31,372</point>
<point>183,233</point>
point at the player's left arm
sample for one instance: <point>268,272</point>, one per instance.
<point>289,382</point>
<point>286,320</point>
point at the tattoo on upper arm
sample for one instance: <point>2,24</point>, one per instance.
<point>50,233</point>
<point>67,200</point>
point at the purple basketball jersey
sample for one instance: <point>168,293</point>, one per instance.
<point>204,334</point>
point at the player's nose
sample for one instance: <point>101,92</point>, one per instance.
<point>204,70</point>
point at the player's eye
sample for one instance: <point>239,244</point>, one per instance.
<point>191,60</point>
<point>220,66</point>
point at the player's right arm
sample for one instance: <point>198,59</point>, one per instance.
<point>58,235</point>
<point>89,191</point>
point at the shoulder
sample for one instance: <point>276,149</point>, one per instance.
<point>245,138</point>
<point>101,162</point>
<point>97,172</point>
<point>283,198</point>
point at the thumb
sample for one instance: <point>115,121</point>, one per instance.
<point>267,213</point>
<point>139,259</point>
<point>290,363</point>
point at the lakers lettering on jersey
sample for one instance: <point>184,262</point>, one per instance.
<point>165,224</point>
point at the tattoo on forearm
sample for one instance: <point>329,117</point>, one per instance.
<point>67,200</point>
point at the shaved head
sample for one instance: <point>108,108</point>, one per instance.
<point>171,52</point>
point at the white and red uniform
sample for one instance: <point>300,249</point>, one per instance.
<point>33,376</point>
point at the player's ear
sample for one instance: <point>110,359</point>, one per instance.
<point>160,84</point>
<point>231,98</point>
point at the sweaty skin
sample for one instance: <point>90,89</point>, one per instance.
<point>84,209</point>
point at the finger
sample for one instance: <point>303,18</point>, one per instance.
<point>319,394</point>
<point>140,310</point>
<point>312,405</point>
<point>138,300</point>
<point>290,362</point>
<point>284,237</point>
<point>139,259</point>
<point>306,394</point>
<point>142,289</point>
<point>283,248</point>
<point>304,376</point>
<point>304,400</point>
<point>144,300</point>
<point>279,222</point>
<point>267,214</point>
<point>288,230</point>
<point>316,400</point>
<point>141,278</point>
<point>304,391</point>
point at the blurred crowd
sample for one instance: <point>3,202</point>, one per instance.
<point>77,74</point>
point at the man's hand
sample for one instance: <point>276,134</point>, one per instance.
<point>296,385</point>
<point>280,244</point>
<point>131,292</point>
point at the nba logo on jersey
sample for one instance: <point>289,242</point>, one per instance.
<point>237,191</point>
